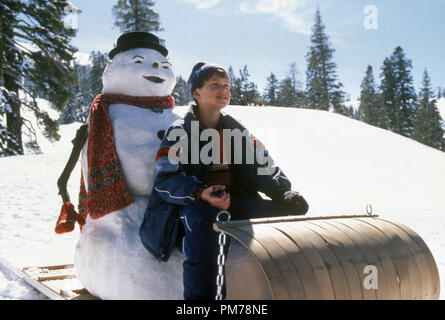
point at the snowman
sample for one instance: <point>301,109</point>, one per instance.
<point>125,125</point>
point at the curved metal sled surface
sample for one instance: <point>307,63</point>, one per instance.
<point>334,257</point>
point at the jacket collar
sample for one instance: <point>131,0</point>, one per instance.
<point>227,121</point>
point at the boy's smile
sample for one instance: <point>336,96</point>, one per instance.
<point>215,93</point>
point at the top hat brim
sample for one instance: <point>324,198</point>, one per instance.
<point>135,45</point>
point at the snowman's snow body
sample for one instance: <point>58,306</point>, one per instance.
<point>110,259</point>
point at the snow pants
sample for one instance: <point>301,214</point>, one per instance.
<point>200,244</point>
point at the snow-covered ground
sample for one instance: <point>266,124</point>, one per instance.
<point>339,165</point>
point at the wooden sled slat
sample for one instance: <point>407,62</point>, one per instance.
<point>57,282</point>
<point>56,277</point>
<point>55,267</point>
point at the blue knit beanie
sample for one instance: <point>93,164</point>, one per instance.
<point>199,72</point>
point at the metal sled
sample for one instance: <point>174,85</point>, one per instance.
<point>342,257</point>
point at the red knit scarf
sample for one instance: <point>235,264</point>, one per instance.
<point>107,191</point>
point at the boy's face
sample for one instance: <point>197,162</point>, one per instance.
<point>214,94</point>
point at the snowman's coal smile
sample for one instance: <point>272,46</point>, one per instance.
<point>154,79</point>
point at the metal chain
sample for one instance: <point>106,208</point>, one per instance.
<point>221,257</point>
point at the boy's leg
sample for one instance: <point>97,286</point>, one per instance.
<point>201,249</point>
<point>249,208</point>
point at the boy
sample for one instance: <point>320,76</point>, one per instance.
<point>194,191</point>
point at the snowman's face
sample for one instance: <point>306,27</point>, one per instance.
<point>139,72</point>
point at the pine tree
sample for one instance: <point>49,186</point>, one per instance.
<point>407,92</point>
<point>80,97</point>
<point>235,88</point>
<point>34,45</point>
<point>99,62</point>
<point>398,93</point>
<point>181,92</point>
<point>338,99</point>
<point>291,93</point>
<point>428,122</point>
<point>303,100</point>
<point>352,113</point>
<point>371,110</point>
<point>244,85</point>
<point>294,76</point>
<point>243,91</point>
<point>388,95</point>
<point>321,80</point>
<point>287,96</point>
<point>136,15</point>
<point>87,86</point>
<point>271,91</point>
<point>249,91</point>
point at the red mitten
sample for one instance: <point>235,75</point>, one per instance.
<point>67,219</point>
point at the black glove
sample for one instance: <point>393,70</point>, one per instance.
<point>296,202</point>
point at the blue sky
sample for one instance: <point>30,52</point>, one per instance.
<point>268,35</point>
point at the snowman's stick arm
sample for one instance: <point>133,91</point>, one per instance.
<point>78,142</point>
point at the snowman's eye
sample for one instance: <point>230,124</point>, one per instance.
<point>166,65</point>
<point>137,59</point>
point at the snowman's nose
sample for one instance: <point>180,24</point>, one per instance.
<point>155,65</point>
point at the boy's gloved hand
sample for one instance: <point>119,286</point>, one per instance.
<point>296,202</point>
<point>217,196</point>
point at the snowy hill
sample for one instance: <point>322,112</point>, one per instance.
<point>337,163</point>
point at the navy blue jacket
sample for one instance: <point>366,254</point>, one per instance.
<point>176,182</point>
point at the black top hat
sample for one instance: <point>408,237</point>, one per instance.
<point>137,39</point>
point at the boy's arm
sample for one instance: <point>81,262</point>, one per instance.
<point>267,177</point>
<point>273,182</point>
<point>172,182</point>
<point>257,164</point>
